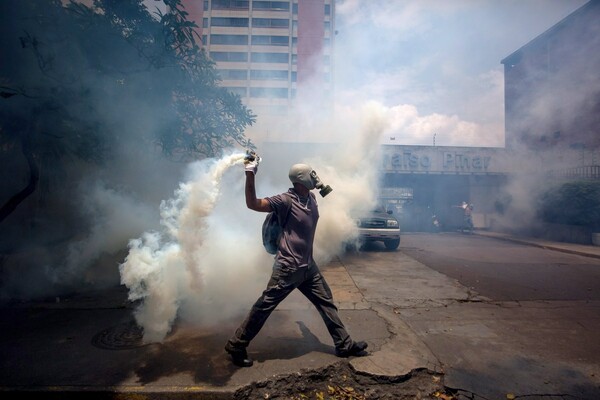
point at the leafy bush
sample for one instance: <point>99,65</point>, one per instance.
<point>572,203</point>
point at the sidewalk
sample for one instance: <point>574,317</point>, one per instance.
<point>89,344</point>
<point>572,248</point>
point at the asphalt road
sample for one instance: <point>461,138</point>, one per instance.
<point>500,318</point>
<point>506,271</point>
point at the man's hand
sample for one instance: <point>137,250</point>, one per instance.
<point>251,166</point>
<point>251,162</point>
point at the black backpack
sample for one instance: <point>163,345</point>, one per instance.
<point>273,226</point>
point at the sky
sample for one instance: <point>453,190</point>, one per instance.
<point>434,66</point>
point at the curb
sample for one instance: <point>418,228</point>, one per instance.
<point>541,245</point>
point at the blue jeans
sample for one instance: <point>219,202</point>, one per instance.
<point>283,281</point>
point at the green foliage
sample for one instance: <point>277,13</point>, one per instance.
<point>85,81</point>
<point>572,203</point>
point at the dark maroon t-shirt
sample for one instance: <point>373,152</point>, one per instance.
<point>296,244</point>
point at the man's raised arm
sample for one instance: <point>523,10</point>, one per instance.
<point>251,168</point>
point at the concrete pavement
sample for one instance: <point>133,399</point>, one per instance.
<point>411,316</point>
<point>571,248</point>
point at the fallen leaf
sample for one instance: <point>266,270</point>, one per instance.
<point>443,396</point>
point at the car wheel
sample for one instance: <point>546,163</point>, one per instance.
<point>392,244</point>
<point>350,247</point>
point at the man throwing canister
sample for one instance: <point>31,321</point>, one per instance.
<point>294,267</point>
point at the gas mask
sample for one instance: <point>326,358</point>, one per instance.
<point>324,190</point>
<point>307,177</point>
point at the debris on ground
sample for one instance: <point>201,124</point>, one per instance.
<point>340,382</point>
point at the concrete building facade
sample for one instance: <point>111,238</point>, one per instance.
<point>552,94</point>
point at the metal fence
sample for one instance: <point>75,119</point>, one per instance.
<point>591,172</point>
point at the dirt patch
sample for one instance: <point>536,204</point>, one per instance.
<point>341,382</point>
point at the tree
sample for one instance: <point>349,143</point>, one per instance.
<point>80,84</point>
<point>572,203</point>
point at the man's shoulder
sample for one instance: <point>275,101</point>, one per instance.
<point>281,196</point>
<point>280,200</point>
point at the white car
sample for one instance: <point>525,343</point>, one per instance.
<point>379,226</point>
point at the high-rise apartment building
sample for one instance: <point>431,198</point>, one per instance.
<point>268,52</point>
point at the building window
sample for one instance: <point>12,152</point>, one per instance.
<point>230,4</point>
<point>205,22</point>
<point>204,40</point>
<point>295,8</point>
<point>294,59</point>
<point>270,23</point>
<point>270,58</point>
<point>267,40</point>
<point>205,5</point>
<point>229,39</point>
<point>294,76</point>
<point>327,25</point>
<point>233,74</point>
<point>229,56</point>
<point>280,93</point>
<point>327,9</point>
<point>224,21</point>
<point>274,75</point>
<point>271,5</point>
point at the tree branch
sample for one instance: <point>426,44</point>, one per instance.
<point>34,177</point>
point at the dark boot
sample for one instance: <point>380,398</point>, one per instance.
<point>357,349</point>
<point>239,356</point>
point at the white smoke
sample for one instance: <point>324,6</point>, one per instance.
<point>207,264</point>
<point>352,170</point>
<point>111,226</point>
<point>199,266</point>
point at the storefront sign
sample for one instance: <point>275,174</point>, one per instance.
<point>466,162</point>
<point>431,159</point>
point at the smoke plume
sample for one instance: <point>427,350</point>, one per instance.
<point>206,263</point>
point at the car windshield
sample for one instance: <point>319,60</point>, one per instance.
<point>370,211</point>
